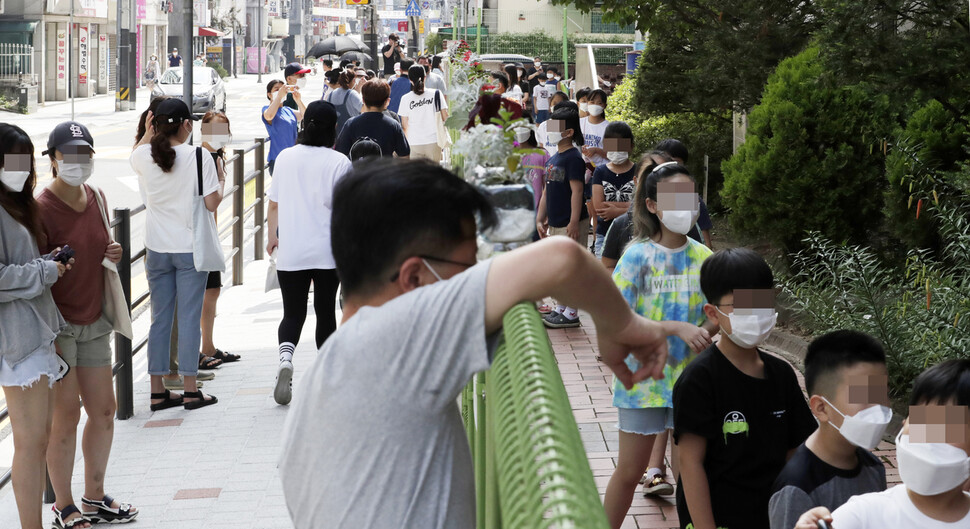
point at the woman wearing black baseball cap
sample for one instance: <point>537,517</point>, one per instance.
<point>168,177</point>
<point>72,213</point>
<point>300,200</point>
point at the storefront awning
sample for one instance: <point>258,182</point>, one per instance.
<point>209,32</point>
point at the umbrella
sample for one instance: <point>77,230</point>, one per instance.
<point>356,56</point>
<point>334,46</point>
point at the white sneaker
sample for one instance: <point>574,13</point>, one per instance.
<point>284,383</point>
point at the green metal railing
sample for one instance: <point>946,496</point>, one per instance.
<point>531,469</point>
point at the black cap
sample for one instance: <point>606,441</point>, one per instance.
<point>294,68</point>
<point>175,111</point>
<point>322,113</point>
<point>68,133</point>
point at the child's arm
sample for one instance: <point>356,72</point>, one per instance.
<point>696,489</point>
<point>576,211</point>
<point>697,338</point>
<point>542,223</point>
<point>559,268</point>
<point>711,327</point>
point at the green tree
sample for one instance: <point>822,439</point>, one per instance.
<point>707,56</point>
<point>813,158</point>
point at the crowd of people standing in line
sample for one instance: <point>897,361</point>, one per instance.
<point>680,326</point>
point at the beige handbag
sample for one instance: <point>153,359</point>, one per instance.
<point>114,305</point>
<point>444,139</point>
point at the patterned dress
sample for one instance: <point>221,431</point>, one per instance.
<point>661,284</point>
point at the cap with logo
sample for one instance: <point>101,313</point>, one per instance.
<point>173,110</point>
<point>68,133</point>
<point>294,68</point>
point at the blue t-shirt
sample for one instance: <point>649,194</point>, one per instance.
<point>282,131</point>
<point>401,86</point>
<point>616,188</point>
<point>560,170</point>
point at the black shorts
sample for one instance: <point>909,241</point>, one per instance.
<point>214,281</point>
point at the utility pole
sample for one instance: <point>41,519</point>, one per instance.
<point>70,59</point>
<point>187,63</point>
<point>259,41</point>
<point>123,54</point>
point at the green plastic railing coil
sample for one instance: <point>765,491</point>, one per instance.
<point>541,474</point>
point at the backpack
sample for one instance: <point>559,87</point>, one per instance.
<point>343,114</point>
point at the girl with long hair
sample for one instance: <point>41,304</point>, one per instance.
<point>29,324</point>
<point>419,111</point>
<point>168,172</point>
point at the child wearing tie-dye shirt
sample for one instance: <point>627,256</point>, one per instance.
<point>659,275</point>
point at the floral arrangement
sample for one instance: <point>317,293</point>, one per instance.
<point>491,153</point>
<point>467,76</point>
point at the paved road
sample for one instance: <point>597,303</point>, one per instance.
<point>113,134</point>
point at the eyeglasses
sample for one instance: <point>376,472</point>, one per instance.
<point>438,259</point>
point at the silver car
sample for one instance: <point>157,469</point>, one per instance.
<point>208,90</point>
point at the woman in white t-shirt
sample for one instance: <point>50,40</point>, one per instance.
<point>419,113</point>
<point>168,174</point>
<point>300,203</point>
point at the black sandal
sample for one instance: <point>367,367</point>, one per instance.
<point>226,357</point>
<point>168,402</point>
<point>108,514</point>
<point>209,362</point>
<point>201,403</point>
<point>59,516</point>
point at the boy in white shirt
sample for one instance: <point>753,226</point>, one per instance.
<point>933,454</point>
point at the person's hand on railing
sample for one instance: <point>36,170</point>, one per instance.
<point>645,340</point>
<point>114,252</point>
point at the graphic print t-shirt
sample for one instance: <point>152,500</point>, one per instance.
<point>593,137</point>
<point>561,169</point>
<point>616,188</point>
<point>749,423</point>
<point>422,116</point>
<point>660,283</point>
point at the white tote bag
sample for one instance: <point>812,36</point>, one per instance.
<point>444,139</point>
<point>114,305</point>
<point>206,248</point>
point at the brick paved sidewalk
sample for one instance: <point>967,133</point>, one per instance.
<point>213,468</point>
<point>588,384</point>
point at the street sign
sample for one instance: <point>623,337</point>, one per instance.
<point>426,5</point>
<point>421,26</point>
<point>413,9</point>
<point>402,26</point>
<point>357,2</point>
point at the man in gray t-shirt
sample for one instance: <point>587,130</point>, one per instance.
<point>374,437</point>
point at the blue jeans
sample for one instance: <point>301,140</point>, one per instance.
<point>598,244</point>
<point>172,278</point>
<point>541,115</point>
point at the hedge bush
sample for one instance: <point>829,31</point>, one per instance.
<point>703,134</point>
<point>813,159</point>
<point>549,47</point>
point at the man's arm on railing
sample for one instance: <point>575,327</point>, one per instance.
<point>560,268</point>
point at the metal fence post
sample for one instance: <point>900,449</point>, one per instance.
<point>259,216</point>
<point>238,210</point>
<point>124,392</point>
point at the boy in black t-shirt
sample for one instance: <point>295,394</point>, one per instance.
<point>738,412</point>
<point>845,373</point>
<point>561,205</point>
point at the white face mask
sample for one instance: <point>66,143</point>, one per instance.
<point>74,174</point>
<point>538,64</point>
<point>929,469</point>
<point>522,135</point>
<point>301,82</point>
<point>550,75</point>
<point>554,137</point>
<point>866,428</point>
<point>584,107</point>
<point>14,180</point>
<point>619,158</point>
<point>751,330</point>
<point>521,73</point>
<point>679,221</point>
<point>595,110</point>
<point>218,141</point>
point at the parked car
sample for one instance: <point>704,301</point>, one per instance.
<point>208,90</point>
<point>495,61</point>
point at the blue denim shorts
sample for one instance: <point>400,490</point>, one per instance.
<point>645,421</point>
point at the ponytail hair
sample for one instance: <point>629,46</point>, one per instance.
<point>417,74</point>
<point>162,152</point>
<point>645,223</point>
<point>347,78</point>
